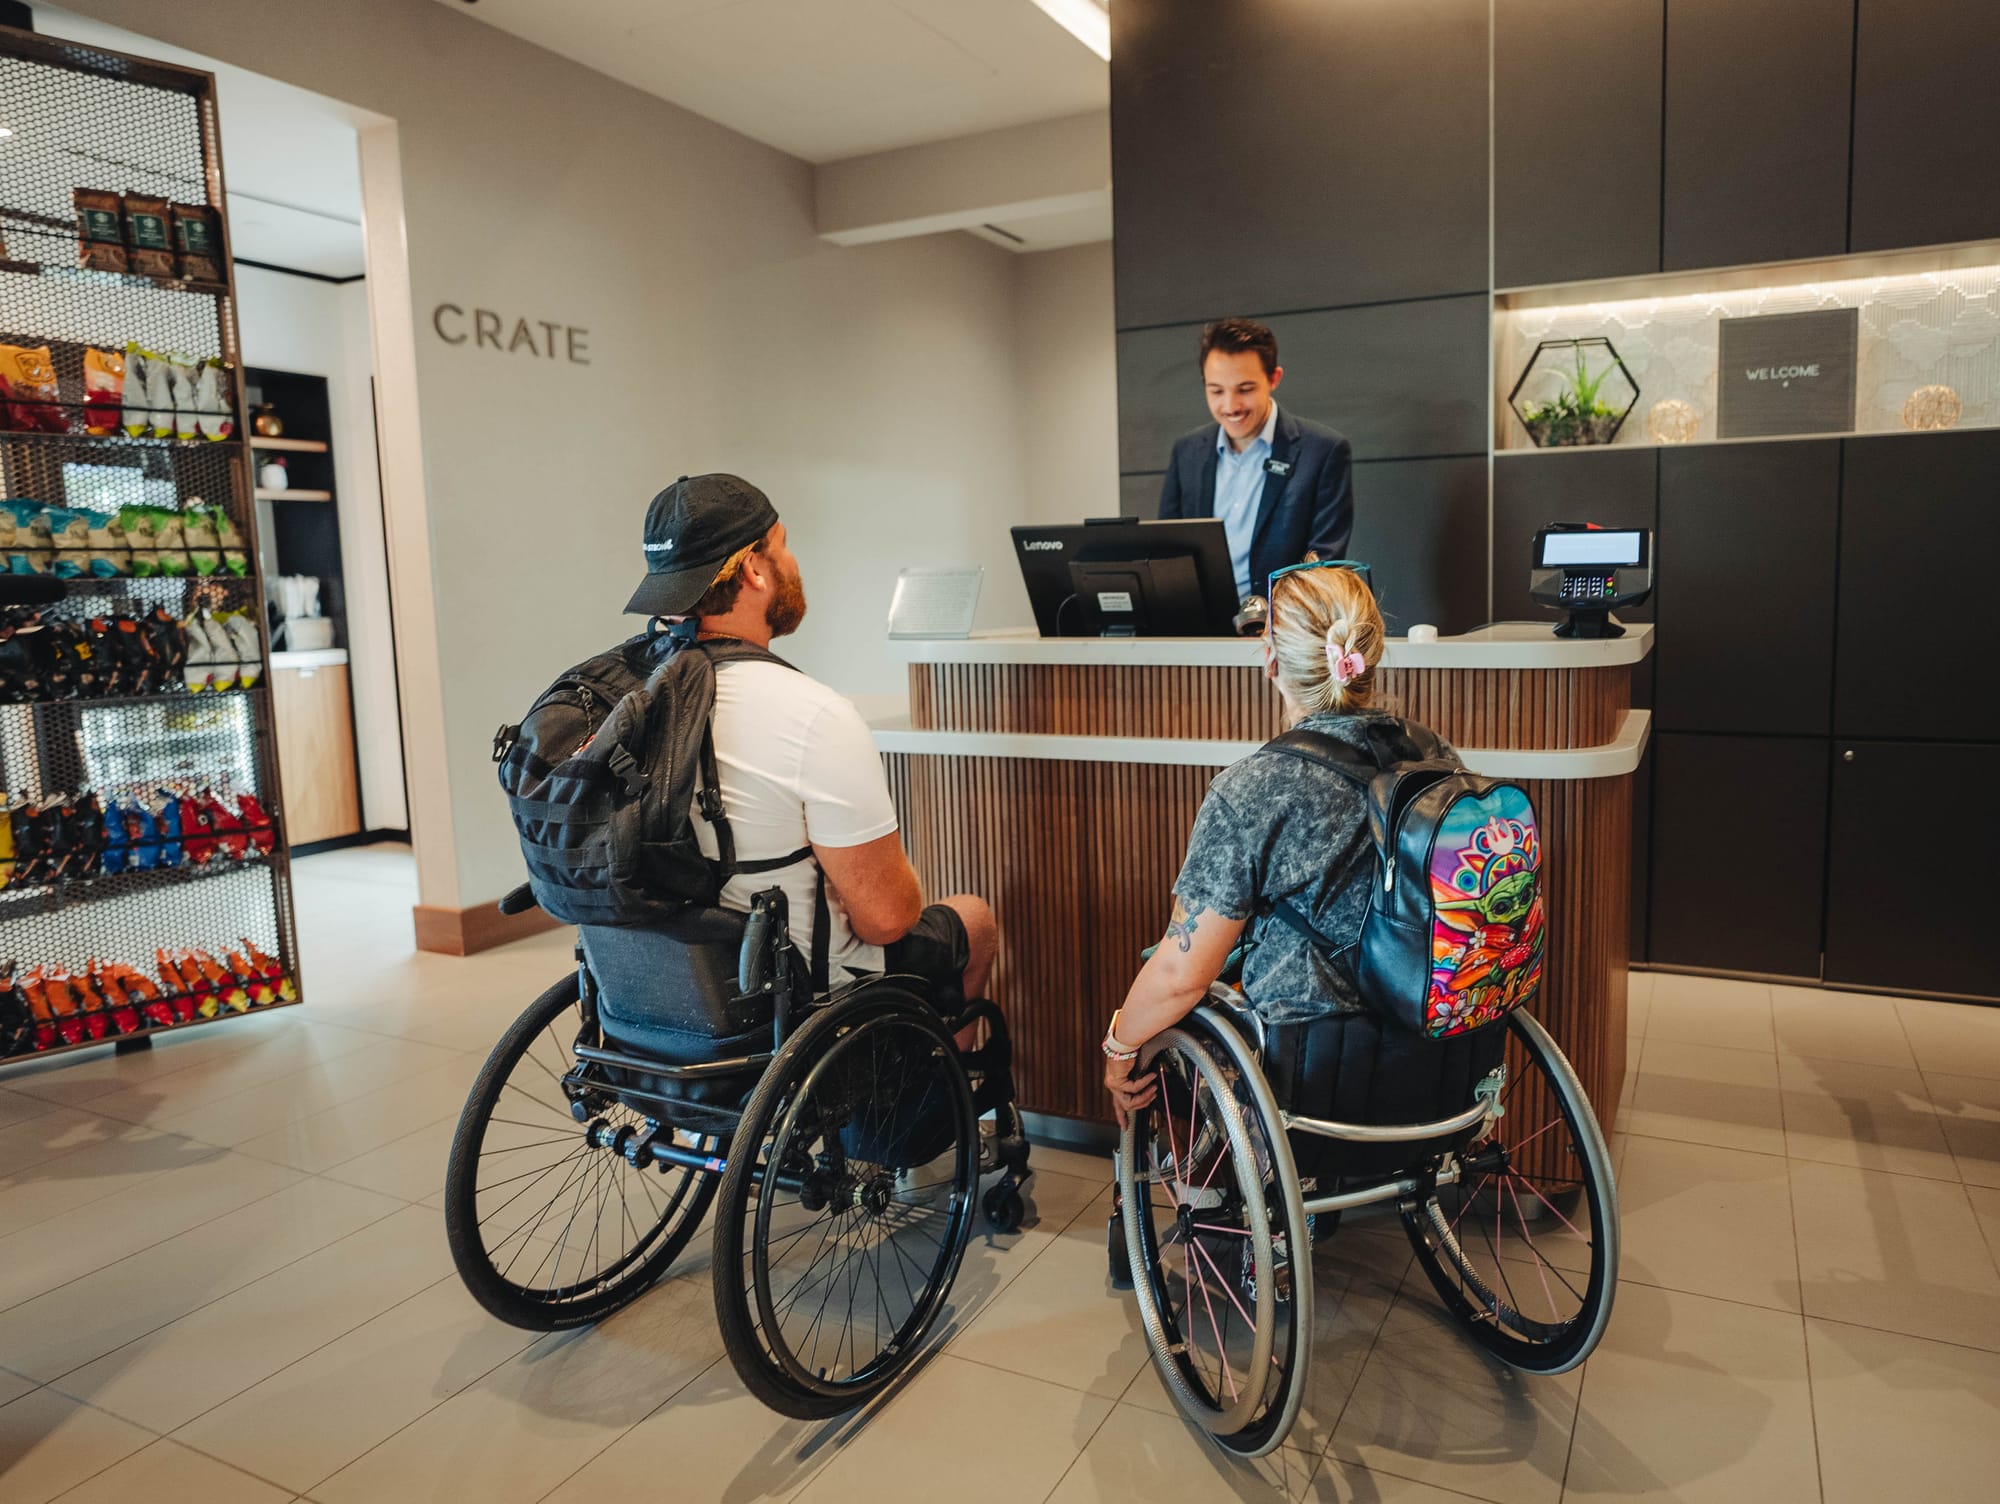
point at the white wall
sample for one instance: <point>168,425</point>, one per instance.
<point>1066,372</point>
<point>318,328</point>
<point>869,390</point>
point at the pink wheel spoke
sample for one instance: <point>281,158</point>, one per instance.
<point>1221,1357</point>
<point>1167,1117</point>
<point>1234,1232</point>
<point>1471,1197</point>
<point>1540,1272</point>
<point>1226,1290</point>
<point>1194,1105</point>
<point>1517,1148</point>
<point>1516,1175</point>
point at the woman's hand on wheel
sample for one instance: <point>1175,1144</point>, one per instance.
<point>1127,1094</point>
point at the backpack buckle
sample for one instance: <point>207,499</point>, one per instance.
<point>621,762</point>
<point>504,740</point>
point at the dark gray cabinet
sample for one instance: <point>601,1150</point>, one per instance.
<point>1917,641</point>
<point>1421,526</point>
<point>1925,169</point>
<point>1756,131</point>
<point>1268,155</point>
<point>1912,824</point>
<point>1576,140</point>
<point>1739,852</point>
<point>1399,380</point>
<point>1745,563</point>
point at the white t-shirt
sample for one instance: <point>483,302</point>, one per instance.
<point>798,768</point>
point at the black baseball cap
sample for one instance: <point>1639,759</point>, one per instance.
<point>692,528</point>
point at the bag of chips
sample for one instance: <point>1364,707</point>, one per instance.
<point>171,542</point>
<point>100,229</point>
<point>245,646</point>
<point>234,559</point>
<point>149,237</point>
<point>69,538</point>
<point>203,545</point>
<point>29,545</point>
<point>110,550</point>
<point>29,399</point>
<point>103,390</point>
<point>213,392</point>
<point>159,395</point>
<point>187,422</point>
<point>134,416</point>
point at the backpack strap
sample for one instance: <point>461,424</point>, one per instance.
<point>1289,916</point>
<point>721,650</point>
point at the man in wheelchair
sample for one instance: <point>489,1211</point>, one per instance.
<point>1251,1119</point>
<point>799,769</point>
<point>826,1110</point>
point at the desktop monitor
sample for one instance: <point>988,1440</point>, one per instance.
<point>1121,577</point>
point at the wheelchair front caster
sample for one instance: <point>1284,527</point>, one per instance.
<point>1004,1208</point>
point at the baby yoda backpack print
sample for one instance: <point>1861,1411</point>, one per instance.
<point>1487,932</point>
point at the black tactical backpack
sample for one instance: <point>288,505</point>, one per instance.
<point>602,777</point>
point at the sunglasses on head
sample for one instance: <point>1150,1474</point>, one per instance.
<point>1367,574</point>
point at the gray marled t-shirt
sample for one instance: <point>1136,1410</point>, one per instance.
<point>1274,827</point>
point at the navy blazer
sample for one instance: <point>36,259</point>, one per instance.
<point>1308,507</point>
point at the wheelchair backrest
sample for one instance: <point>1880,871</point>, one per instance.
<point>680,974</point>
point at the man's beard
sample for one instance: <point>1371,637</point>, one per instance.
<point>788,606</point>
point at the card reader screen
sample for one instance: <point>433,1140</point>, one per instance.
<point>1607,548</point>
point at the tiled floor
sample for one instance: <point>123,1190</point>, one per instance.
<point>223,1277</point>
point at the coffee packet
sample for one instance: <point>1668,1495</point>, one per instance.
<point>100,229</point>
<point>149,236</point>
<point>197,242</point>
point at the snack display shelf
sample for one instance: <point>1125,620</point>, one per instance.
<point>130,279</point>
<point>91,126</point>
<point>21,899</point>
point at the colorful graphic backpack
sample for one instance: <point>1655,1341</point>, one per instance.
<point>1454,932</point>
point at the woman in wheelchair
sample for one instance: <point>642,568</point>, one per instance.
<point>1251,1116</point>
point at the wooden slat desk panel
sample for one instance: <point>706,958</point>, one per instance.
<point>1078,855</point>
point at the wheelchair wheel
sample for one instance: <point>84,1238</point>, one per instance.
<point>847,1204</point>
<point>1524,1248</point>
<point>1215,1241</point>
<point>547,1229</point>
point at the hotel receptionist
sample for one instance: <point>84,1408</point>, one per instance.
<point>1282,485</point>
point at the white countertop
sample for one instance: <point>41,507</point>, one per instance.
<point>1507,644</point>
<point>309,658</point>
<point>1615,758</point>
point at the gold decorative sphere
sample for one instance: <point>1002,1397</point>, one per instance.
<point>1672,421</point>
<point>1931,407</point>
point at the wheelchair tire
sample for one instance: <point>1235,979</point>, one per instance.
<point>1542,1207</point>
<point>1224,1235</point>
<point>547,1230</point>
<point>845,1210</point>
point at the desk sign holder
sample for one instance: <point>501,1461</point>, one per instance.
<point>935,602</point>
<point>1785,373</point>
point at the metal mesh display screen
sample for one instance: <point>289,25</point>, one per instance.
<point>143,832</point>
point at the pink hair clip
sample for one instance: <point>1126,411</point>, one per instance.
<point>1348,667</point>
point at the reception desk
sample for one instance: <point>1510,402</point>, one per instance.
<point>1059,778</point>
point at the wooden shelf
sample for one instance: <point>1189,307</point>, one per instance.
<point>295,446</point>
<point>293,494</point>
<point>1508,452</point>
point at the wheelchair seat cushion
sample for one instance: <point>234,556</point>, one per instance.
<point>670,989</point>
<point>1355,1068</point>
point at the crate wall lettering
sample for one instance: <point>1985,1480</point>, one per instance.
<point>79,117</point>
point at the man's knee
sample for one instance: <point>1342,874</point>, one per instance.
<point>982,933</point>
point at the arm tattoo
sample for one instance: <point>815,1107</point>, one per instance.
<point>1182,926</point>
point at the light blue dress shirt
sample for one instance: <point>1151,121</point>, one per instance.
<point>1239,490</point>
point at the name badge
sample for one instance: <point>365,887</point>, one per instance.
<point>1278,467</point>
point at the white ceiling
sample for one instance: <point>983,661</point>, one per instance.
<point>289,156</point>
<point>826,79</point>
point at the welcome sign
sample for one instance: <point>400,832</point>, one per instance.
<point>1787,373</point>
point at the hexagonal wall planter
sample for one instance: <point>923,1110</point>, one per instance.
<point>1573,391</point>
